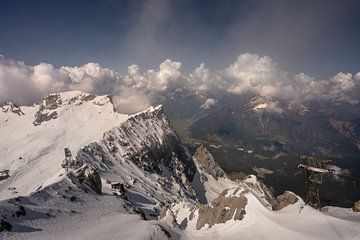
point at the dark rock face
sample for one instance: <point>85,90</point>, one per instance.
<point>356,207</point>
<point>147,140</point>
<point>221,210</point>
<point>207,163</point>
<point>4,225</point>
<point>88,97</point>
<point>69,162</point>
<point>284,200</point>
<point>21,211</point>
<point>43,117</point>
<point>11,107</point>
<point>88,176</point>
<point>52,102</point>
<point>4,174</point>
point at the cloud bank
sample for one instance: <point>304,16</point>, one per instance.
<point>135,90</point>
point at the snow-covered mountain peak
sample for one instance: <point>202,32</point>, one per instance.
<point>151,112</point>
<point>55,100</point>
<point>32,145</point>
<point>260,104</point>
<point>50,106</point>
<point>83,170</point>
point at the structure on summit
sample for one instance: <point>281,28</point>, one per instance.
<point>68,159</point>
<point>315,168</point>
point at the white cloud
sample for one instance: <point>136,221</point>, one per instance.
<point>200,78</point>
<point>262,76</point>
<point>343,81</point>
<point>256,74</point>
<point>167,77</point>
<point>131,101</point>
<point>135,90</point>
<point>357,76</point>
<point>90,77</point>
<point>210,102</point>
<point>17,83</point>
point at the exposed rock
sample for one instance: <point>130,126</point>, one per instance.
<point>221,210</point>
<point>147,140</point>
<point>4,174</point>
<point>88,97</point>
<point>284,200</point>
<point>356,207</point>
<point>43,117</point>
<point>69,162</point>
<point>261,190</point>
<point>4,225</point>
<point>11,107</point>
<point>261,172</point>
<point>45,112</point>
<point>163,211</point>
<point>21,211</point>
<point>51,102</point>
<point>88,175</point>
<point>237,176</point>
<point>324,209</point>
<point>207,163</point>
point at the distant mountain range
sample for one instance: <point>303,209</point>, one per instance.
<point>247,133</point>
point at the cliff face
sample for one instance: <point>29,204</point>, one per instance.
<point>146,141</point>
<point>207,163</point>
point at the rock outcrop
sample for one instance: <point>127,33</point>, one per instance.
<point>88,175</point>
<point>222,209</point>
<point>207,163</point>
<point>4,225</point>
<point>284,200</point>
<point>4,174</point>
<point>47,109</point>
<point>356,207</point>
<point>11,107</point>
<point>146,140</point>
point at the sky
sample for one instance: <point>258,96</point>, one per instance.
<point>320,37</point>
<point>134,50</point>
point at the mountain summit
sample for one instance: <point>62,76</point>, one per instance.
<point>73,168</point>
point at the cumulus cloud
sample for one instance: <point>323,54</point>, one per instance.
<point>131,92</point>
<point>168,77</point>
<point>131,101</point>
<point>136,89</point>
<point>251,72</point>
<point>24,84</point>
<point>262,76</point>
<point>357,76</point>
<point>210,102</point>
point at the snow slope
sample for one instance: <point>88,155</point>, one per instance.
<point>294,222</point>
<point>168,194</point>
<point>34,154</point>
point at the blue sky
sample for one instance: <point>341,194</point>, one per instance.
<point>319,37</point>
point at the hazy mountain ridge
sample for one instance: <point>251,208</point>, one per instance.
<point>248,132</point>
